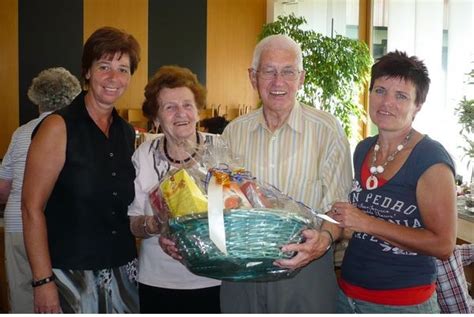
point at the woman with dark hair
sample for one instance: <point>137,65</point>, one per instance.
<point>172,100</point>
<point>53,89</point>
<point>402,210</point>
<point>77,186</point>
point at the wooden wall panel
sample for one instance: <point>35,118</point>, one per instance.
<point>9,108</point>
<point>232,30</point>
<point>131,16</point>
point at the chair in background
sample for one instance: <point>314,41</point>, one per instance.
<point>209,111</point>
<point>232,113</point>
<point>229,112</point>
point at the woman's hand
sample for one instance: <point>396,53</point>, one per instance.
<point>46,299</point>
<point>350,217</point>
<point>170,248</point>
<point>315,245</point>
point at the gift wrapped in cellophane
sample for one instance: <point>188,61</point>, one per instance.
<point>226,224</point>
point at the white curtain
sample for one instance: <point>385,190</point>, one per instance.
<point>417,28</point>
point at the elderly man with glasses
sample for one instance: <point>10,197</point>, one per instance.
<point>303,152</point>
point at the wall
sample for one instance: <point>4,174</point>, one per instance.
<point>129,15</point>
<point>178,36</point>
<point>215,38</point>
<point>45,42</point>
<point>232,30</point>
<point>9,107</point>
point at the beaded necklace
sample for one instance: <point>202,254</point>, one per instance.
<point>168,157</point>
<point>372,181</point>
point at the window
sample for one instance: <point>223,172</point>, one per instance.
<point>439,32</point>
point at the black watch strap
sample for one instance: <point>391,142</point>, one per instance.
<point>43,281</point>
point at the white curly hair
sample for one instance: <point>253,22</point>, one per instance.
<point>53,89</point>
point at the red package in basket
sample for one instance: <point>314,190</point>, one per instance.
<point>234,198</point>
<point>254,195</point>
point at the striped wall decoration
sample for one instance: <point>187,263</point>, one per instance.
<point>214,38</point>
<point>50,35</point>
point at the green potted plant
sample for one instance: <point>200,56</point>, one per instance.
<point>465,112</point>
<point>337,68</point>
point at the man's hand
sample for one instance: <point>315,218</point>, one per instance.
<point>316,244</point>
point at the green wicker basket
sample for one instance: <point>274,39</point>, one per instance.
<point>253,240</point>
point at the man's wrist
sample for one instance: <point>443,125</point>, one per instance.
<point>331,238</point>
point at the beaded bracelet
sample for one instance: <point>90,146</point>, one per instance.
<point>331,239</point>
<point>43,281</point>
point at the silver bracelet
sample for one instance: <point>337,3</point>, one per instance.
<point>331,239</point>
<point>146,231</point>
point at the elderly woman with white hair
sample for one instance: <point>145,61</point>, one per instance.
<point>51,90</point>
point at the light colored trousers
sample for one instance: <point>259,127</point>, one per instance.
<point>20,291</point>
<point>312,290</point>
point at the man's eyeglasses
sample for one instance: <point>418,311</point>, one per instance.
<point>271,73</point>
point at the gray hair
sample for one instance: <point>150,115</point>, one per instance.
<point>277,41</point>
<point>53,89</point>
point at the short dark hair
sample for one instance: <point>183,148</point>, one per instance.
<point>108,41</point>
<point>171,77</point>
<point>398,65</point>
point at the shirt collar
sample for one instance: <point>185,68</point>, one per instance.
<point>83,110</point>
<point>44,114</point>
<point>294,120</point>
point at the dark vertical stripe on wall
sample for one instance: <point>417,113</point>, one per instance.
<point>177,34</point>
<point>50,35</point>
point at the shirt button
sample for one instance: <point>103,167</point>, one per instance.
<point>114,193</point>
<point>113,173</point>
<point>114,232</point>
<point>111,154</point>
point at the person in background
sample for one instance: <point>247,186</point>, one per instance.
<point>53,89</point>
<point>172,100</point>
<point>77,186</point>
<point>451,284</point>
<point>303,152</point>
<point>402,209</point>
<point>215,125</point>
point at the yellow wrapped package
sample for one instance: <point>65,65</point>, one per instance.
<point>182,195</point>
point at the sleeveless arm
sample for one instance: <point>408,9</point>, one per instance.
<point>46,157</point>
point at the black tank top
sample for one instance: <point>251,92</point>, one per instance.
<point>86,215</point>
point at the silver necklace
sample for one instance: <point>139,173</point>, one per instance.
<point>372,181</point>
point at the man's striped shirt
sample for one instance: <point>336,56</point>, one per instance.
<point>308,158</point>
<point>13,168</point>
